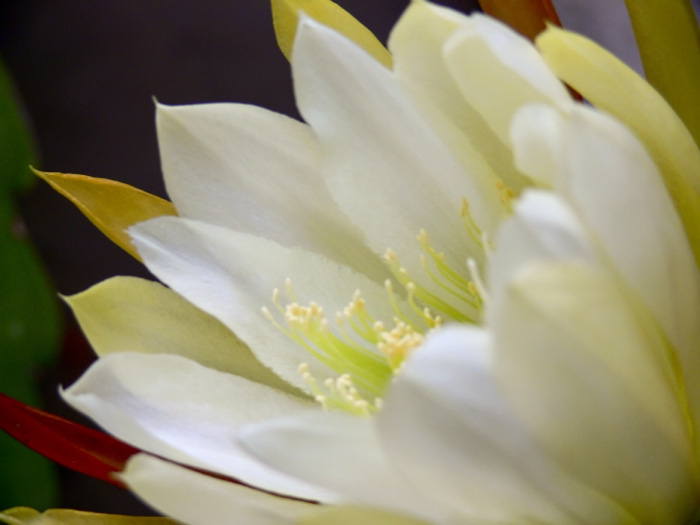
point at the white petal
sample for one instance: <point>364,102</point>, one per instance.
<point>180,410</point>
<point>126,314</point>
<point>446,426</point>
<point>498,71</point>
<point>232,276</point>
<point>417,44</point>
<point>588,376</point>
<point>537,132</point>
<point>198,499</point>
<point>339,452</point>
<point>338,515</point>
<point>544,228</point>
<point>257,172</point>
<point>385,167</point>
<point>619,196</point>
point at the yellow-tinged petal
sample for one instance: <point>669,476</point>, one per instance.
<point>668,37</point>
<point>27,516</point>
<point>110,205</point>
<point>128,314</point>
<point>353,515</point>
<point>612,86</point>
<point>285,16</point>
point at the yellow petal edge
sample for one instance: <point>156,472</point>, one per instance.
<point>285,17</point>
<point>136,315</point>
<point>612,86</point>
<point>110,205</point>
<point>27,516</point>
<point>668,38</point>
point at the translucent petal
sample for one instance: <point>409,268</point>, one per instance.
<point>232,275</point>
<point>177,409</point>
<point>613,87</point>
<point>448,428</point>
<point>544,228</point>
<point>618,195</point>
<point>198,499</point>
<point>339,452</point>
<point>417,43</point>
<point>586,375</point>
<point>257,172</point>
<point>126,314</point>
<point>498,71</point>
<point>384,165</point>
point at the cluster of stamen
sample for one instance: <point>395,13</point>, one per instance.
<point>365,352</point>
<point>396,344</point>
<point>506,196</point>
<point>339,394</point>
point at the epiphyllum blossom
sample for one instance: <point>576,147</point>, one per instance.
<point>559,391</point>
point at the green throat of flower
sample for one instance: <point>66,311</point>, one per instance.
<point>367,352</point>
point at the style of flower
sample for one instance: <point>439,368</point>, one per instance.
<point>453,295</point>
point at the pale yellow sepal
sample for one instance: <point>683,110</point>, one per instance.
<point>110,205</point>
<point>285,16</point>
<point>668,38</point>
<point>128,314</point>
<point>612,86</point>
<point>27,516</point>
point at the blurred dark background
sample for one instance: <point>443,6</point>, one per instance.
<point>87,72</point>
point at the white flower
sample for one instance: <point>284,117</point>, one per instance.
<point>558,392</point>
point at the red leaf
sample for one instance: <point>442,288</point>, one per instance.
<point>72,445</point>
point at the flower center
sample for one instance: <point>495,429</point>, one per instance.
<point>367,353</point>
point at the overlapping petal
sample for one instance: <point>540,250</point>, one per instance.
<point>587,377</point>
<point>182,411</point>
<point>384,166</point>
<point>219,270</point>
<point>620,200</point>
<point>126,314</point>
<point>574,402</point>
<point>198,499</point>
<point>258,172</point>
<point>340,452</point>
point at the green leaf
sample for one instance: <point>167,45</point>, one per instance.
<point>29,327</point>
<point>669,43</point>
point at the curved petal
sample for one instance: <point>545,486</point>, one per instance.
<point>383,164</point>
<point>338,515</point>
<point>613,87</point>
<point>180,410</point>
<point>417,43</point>
<point>232,275</point>
<point>127,314</point>
<point>498,71</point>
<point>618,195</point>
<point>339,452</point>
<point>257,172</point>
<point>285,15</point>
<point>198,499</point>
<point>26,516</point>
<point>447,414</point>
<point>537,132</point>
<point>586,374</point>
<point>544,228</point>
